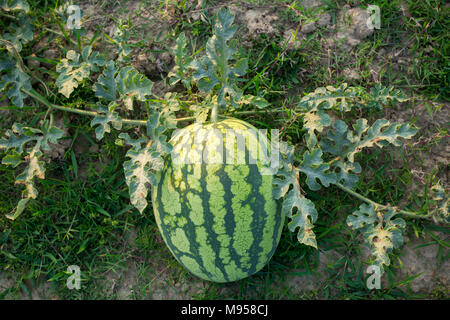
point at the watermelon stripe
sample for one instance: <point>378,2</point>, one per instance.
<point>234,266</point>
<point>189,262</point>
<point>195,221</point>
<point>212,244</point>
<point>258,223</point>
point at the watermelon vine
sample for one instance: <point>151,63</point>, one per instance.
<point>327,158</point>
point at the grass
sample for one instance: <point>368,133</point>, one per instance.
<point>83,215</point>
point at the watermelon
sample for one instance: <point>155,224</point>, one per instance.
<point>217,213</point>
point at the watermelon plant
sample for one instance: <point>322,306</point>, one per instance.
<point>222,221</point>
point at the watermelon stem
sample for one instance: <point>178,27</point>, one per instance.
<point>214,112</point>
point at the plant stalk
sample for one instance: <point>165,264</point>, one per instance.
<point>381,206</point>
<point>214,113</point>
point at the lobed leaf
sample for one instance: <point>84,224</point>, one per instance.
<point>146,157</point>
<point>439,195</point>
<point>345,144</point>
<point>315,169</point>
<point>132,85</point>
<point>300,210</point>
<point>20,34</point>
<point>381,232</point>
<point>12,83</point>
<point>15,144</point>
<point>15,5</point>
<point>104,118</point>
<point>216,70</point>
<point>75,68</point>
<point>120,40</point>
<point>381,133</point>
<point>125,84</point>
<point>180,72</point>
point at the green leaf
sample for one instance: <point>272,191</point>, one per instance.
<point>342,99</point>
<point>125,84</point>
<point>381,133</point>
<point>300,210</point>
<point>380,95</point>
<point>20,34</point>
<point>132,85</point>
<point>6,63</point>
<point>12,83</point>
<point>13,5</point>
<point>104,118</point>
<point>439,195</point>
<point>106,87</point>
<point>363,218</point>
<point>120,40</point>
<point>17,137</point>
<point>146,157</point>
<point>314,169</point>
<point>180,72</point>
<point>139,169</point>
<point>345,144</point>
<point>75,68</point>
<point>304,217</point>
<point>258,102</point>
<point>12,159</point>
<point>381,232</point>
<point>19,209</point>
<point>216,70</point>
<point>155,131</point>
<point>16,142</point>
<point>345,175</point>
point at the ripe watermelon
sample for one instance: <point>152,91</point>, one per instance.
<point>219,220</point>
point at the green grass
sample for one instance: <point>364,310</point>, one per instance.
<point>83,215</point>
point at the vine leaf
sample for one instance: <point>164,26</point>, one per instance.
<point>75,68</point>
<point>13,82</point>
<point>381,232</point>
<point>256,101</point>
<point>13,5</point>
<point>345,144</point>
<point>120,40</point>
<point>180,72</point>
<point>304,217</point>
<point>15,143</point>
<point>315,120</point>
<point>441,214</point>
<point>381,133</point>
<point>216,69</point>
<point>106,87</point>
<point>104,118</point>
<point>329,97</point>
<point>347,173</point>
<point>20,34</point>
<point>146,156</point>
<point>380,95</point>
<point>167,108</point>
<point>299,209</point>
<point>125,84</point>
<point>314,169</point>
<point>138,170</point>
<point>343,99</point>
<point>132,85</point>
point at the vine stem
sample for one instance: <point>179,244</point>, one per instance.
<point>44,101</point>
<point>382,206</point>
<point>35,95</point>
